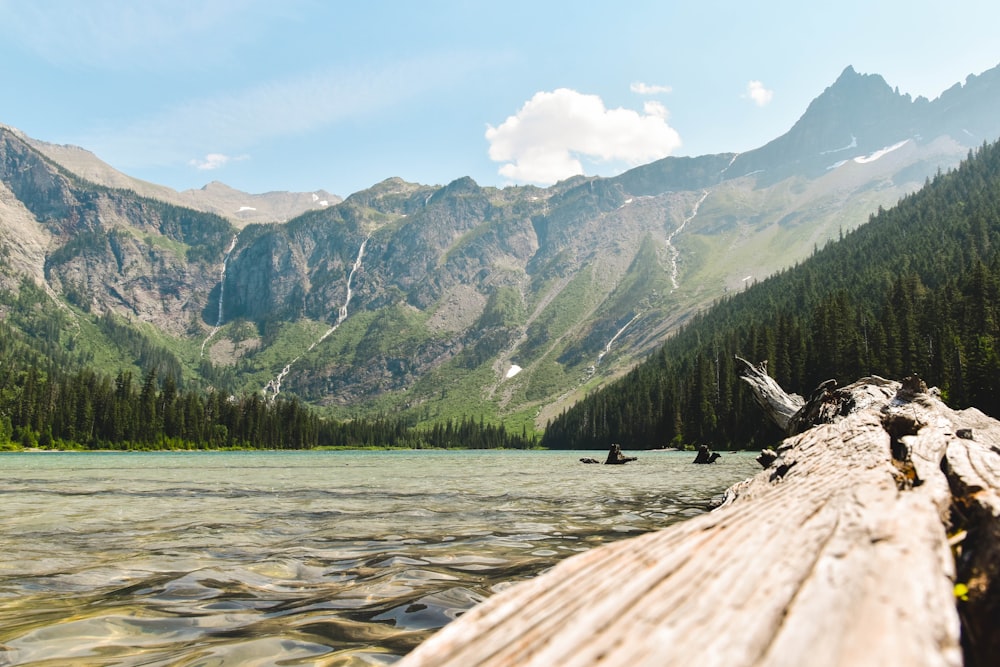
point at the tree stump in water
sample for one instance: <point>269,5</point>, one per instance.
<point>706,455</point>
<point>615,456</point>
<point>864,542</point>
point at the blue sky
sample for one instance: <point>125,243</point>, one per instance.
<point>305,95</point>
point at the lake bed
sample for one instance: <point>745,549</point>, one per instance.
<point>301,558</point>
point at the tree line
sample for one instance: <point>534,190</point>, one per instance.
<point>914,291</point>
<point>42,405</point>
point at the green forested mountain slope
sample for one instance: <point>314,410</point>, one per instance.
<point>459,301</point>
<point>917,290</point>
<point>52,398</point>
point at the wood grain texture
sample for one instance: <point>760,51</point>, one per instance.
<point>836,554</point>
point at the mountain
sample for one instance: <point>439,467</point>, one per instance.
<point>443,301</point>
<point>914,292</point>
<point>860,116</point>
<point>240,208</point>
<point>103,249</point>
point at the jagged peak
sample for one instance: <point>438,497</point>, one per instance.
<point>984,80</point>
<point>393,181</point>
<point>854,91</point>
<point>858,111</point>
<point>851,79</point>
<point>848,72</point>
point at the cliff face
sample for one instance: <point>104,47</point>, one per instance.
<point>468,299</point>
<point>107,249</point>
<point>240,208</point>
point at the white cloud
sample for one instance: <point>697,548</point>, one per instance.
<point>641,88</point>
<point>547,139</point>
<point>655,109</point>
<point>210,161</point>
<point>758,93</point>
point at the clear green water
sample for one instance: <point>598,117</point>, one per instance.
<point>305,558</point>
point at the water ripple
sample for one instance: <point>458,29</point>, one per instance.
<point>298,558</point>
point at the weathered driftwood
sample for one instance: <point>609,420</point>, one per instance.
<point>825,405</point>
<point>772,399</point>
<point>849,549</point>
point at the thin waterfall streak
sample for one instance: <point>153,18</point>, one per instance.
<point>222,294</point>
<point>607,348</point>
<point>274,386</point>
<point>675,254</point>
<point>342,313</point>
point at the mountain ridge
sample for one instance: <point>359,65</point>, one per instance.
<point>241,208</point>
<point>458,284</point>
<point>914,292</point>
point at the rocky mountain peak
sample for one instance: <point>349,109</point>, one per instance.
<point>854,93</point>
<point>458,188</point>
<point>856,115</point>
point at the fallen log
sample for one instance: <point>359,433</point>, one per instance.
<point>870,539</point>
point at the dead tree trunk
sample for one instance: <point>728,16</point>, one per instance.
<point>615,456</point>
<point>772,399</point>
<point>863,543</point>
<point>706,455</point>
<point>825,405</point>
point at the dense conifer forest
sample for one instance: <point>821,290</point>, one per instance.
<point>51,398</point>
<point>915,291</point>
<point>43,407</point>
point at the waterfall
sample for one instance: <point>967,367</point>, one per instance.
<point>674,252</point>
<point>274,386</point>
<point>222,294</point>
<point>607,348</point>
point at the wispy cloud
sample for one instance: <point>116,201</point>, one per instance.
<point>760,95</point>
<point>234,122</point>
<point>546,140</point>
<point>641,88</point>
<point>114,35</point>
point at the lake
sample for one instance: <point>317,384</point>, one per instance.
<point>300,558</point>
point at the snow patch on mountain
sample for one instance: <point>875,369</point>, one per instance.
<point>853,144</point>
<point>865,159</point>
<point>871,157</point>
